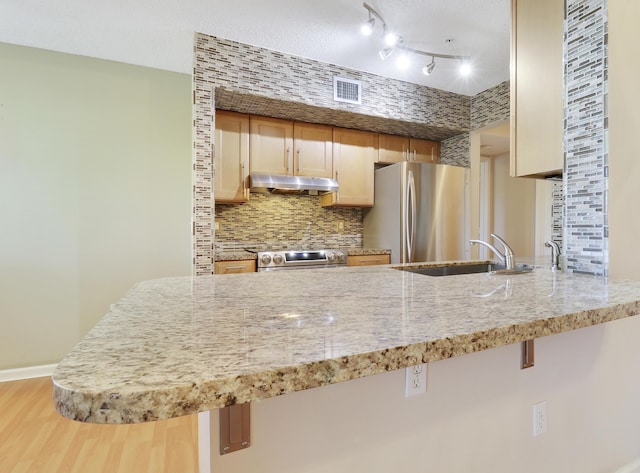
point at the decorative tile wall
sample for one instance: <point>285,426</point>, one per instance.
<point>244,78</point>
<point>487,107</point>
<point>273,221</point>
<point>585,231</point>
<point>557,227</point>
<point>456,151</point>
<point>490,106</point>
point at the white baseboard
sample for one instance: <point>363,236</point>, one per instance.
<point>27,373</point>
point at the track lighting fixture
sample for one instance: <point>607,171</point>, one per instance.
<point>428,69</point>
<point>367,27</point>
<point>390,38</point>
<point>395,42</point>
<point>385,53</point>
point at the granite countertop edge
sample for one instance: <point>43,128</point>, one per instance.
<point>191,396</point>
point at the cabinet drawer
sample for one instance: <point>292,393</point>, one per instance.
<point>232,267</point>
<point>368,260</point>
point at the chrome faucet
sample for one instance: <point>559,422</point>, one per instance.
<point>555,254</point>
<point>508,258</point>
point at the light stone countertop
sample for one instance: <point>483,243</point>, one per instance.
<point>178,346</point>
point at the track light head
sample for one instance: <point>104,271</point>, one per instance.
<point>367,28</point>
<point>428,69</point>
<point>385,53</point>
<point>390,38</point>
<point>465,69</point>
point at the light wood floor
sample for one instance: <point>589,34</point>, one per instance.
<point>34,438</point>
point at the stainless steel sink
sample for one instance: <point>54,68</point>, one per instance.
<point>466,269</point>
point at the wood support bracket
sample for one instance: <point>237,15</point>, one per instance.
<point>527,358</point>
<point>235,428</point>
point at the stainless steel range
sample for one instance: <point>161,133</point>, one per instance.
<point>300,259</point>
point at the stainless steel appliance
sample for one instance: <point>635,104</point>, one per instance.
<point>300,259</point>
<point>419,212</point>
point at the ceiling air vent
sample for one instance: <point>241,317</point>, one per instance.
<point>346,90</point>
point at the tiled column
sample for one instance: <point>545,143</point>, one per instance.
<point>585,229</point>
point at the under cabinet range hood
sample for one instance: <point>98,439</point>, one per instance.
<point>278,182</point>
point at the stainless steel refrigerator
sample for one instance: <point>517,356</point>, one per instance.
<point>420,212</point>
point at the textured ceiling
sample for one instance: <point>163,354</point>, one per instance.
<point>159,33</point>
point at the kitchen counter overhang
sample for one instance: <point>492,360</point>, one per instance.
<point>179,346</point>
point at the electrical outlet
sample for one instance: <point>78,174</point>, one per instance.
<point>415,380</point>
<point>539,418</point>
<point>341,226</point>
<point>216,226</point>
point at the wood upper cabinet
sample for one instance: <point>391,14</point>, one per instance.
<point>536,88</point>
<point>291,148</point>
<point>424,151</point>
<point>231,157</point>
<point>271,150</point>
<point>354,155</point>
<point>313,150</point>
<point>394,149</point>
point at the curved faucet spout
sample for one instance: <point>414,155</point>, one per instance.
<point>555,254</point>
<point>508,257</point>
<point>490,246</point>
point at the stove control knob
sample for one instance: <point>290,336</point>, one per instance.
<point>278,259</point>
<point>266,259</point>
<point>331,257</point>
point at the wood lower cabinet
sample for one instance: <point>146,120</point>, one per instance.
<point>424,151</point>
<point>236,266</point>
<point>368,260</point>
<point>231,157</point>
<point>536,88</point>
<point>354,155</point>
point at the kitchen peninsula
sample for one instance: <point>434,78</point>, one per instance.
<point>178,346</point>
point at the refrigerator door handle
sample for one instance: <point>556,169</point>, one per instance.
<point>410,217</point>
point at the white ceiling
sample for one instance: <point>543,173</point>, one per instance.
<point>159,33</point>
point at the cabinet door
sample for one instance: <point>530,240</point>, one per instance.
<point>536,87</point>
<point>231,157</point>
<point>271,150</point>
<point>233,267</point>
<point>424,151</point>
<point>368,260</point>
<point>313,145</point>
<point>354,154</point>
<point>393,149</point>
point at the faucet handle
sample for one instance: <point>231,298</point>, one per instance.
<point>507,248</point>
<point>509,257</point>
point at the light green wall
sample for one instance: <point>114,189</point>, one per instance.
<point>95,193</point>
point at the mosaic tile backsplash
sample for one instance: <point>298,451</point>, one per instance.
<point>281,221</point>
<point>585,231</point>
